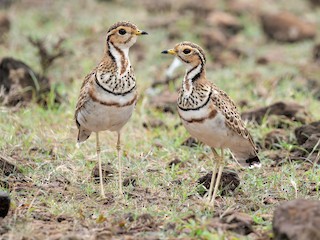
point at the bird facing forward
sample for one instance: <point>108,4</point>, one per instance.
<point>108,94</point>
<point>210,115</point>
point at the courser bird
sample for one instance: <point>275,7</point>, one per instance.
<point>108,94</point>
<point>210,115</point>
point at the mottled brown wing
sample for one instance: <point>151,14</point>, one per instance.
<point>228,108</point>
<point>84,95</point>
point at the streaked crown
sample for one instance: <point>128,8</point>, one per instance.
<point>123,34</point>
<point>189,53</point>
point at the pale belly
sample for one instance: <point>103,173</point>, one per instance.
<point>211,131</point>
<point>98,117</point>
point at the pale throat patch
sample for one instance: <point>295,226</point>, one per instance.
<point>187,82</point>
<point>118,57</point>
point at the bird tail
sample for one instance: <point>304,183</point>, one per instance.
<point>252,160</point>
<point>83,134</point>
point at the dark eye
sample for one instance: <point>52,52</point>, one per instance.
<point>186,51</point>
<point>122,31</point>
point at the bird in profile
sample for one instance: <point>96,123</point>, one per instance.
<point>210,115</point>
<point>108,94</point>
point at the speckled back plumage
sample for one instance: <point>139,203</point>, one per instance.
<point>108,94</point>
<point>233,118</point>
<point>207,112</point>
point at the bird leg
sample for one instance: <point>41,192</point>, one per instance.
<point>214,172</point>
<point>119,166</point>
<point>221,166</point>
<point>100,166</point>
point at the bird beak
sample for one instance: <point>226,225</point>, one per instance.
<point>170,51</point>
<point>139,32</point>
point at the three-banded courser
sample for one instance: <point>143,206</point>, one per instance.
<point>210,115</point>
<point>108,94</point>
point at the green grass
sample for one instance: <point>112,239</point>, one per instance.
<point>59,181</point>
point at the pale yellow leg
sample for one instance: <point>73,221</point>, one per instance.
<point>120,165</point>
<point>214,172</point>
<point>100,166</point>
<point>221,166</point>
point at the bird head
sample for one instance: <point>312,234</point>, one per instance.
<point>189,53</point>
<point>123,34</point>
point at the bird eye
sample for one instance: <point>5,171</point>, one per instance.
<point>186,51</point>
<point>122,31</point>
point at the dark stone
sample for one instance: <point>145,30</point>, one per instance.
<point>286,27</point>
<point>129,181</point>
<point>293,111</point>
<point>316,52</point>
<point>312,143</point>
<point>8,166</point>
<point>155,123</point>
<point>228,183</point>
<point>190,142</point>
<point>166,102</point>
<point>174,162</point>
<point>226,22</point>
<point>274,137</point>
<point>107,172</point>
<point>297,220</point>
<point>304,132</point>
<point>4,204</point>
<point>16,77</point>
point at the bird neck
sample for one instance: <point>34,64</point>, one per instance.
<point>193,74</point>
<point>118,55</point>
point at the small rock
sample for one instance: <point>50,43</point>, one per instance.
<point>63,217</point>
<point>8,166</point>
<point>293,111</point>
<point>129,181</point>
<point>214,41</point>
<point>154,123</point>
<point>315,3</point>
<point>316,53</point>
<point>276,55</point>
<point>107,172</point>
<point>228,23</point>
<point>19,87</point>
<point>200,10</point>
<point>278,156</point>
<point>312,143</point>
<point>271,200</point>
<point>191,142</point>
<point>304,132</point>
<point>155,6</point>
<point>243,6</point>
<point>174,162</point>
<point>4,26</point>
<point>6,3</point>
<point>297,220</point>
<point>176,182</point>
<point>238,222</point>
<point>4,204</point>
<point>228,183</point>
<point>286,27</point>
<point>241,223</point>
<point>166,101</point>
<point>274,137</point>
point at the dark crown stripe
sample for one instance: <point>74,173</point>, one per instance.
<point>118,24</point>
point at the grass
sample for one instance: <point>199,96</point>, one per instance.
<point>57,176</point>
